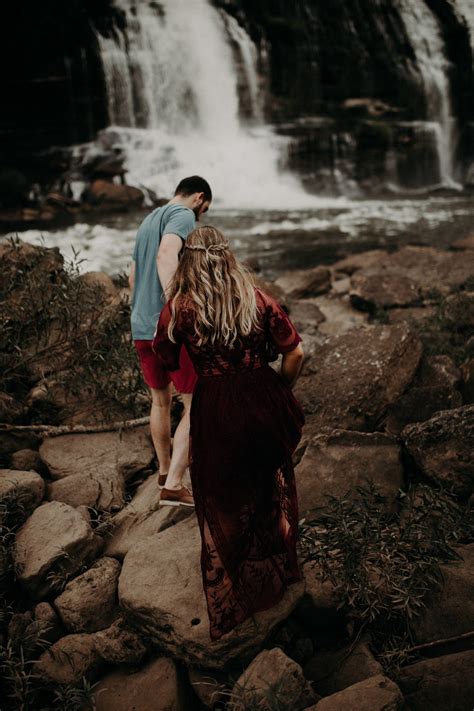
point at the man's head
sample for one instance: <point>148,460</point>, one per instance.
<point>197,193</point>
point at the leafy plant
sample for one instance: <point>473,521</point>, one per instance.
<point>384,565</point>
<point>66,336</point>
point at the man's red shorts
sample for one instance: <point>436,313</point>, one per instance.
<point>157,377</point>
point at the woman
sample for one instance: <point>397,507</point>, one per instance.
<point>245,425</point>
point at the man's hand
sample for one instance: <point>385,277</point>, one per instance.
<point>167,260</point>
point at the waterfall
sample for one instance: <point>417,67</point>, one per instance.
<point>465,9</point>
<point>428,45</point>
<point>117,79</point>
<point>249,55</point>
<point>173,97</point>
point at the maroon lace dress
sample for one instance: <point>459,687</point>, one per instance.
<point>245,425</point>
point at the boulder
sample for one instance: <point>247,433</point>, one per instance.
<point>434,388</point>
<point>156,686</point>
<point>336,462</point>
<point>440,684</point>
<point>306,315</point>
<point>120,644</point>
<point>27,460</point>
<point>103,281</point>
<point>305,283</point>
<point>271,678</point>
<point>412,315</point>
<point>160,590</point>
<point>335,669</point>
<point>89,602</point>
<point>69,660</point>
<point>53,545</point>
<point>209,685</point>
<point>339,315</point>
<point>104,490</point>
<point>49,624</point>
<point>428,268</point>
<point>458,310</point>
<point>442,448</point>
<point>29,632</point>
<point>378,693</point>
<point>372,291</point>
<point>125,452</point>
<point>142,517</point>
<point>363,260</point>
<point>351,379</point>
<point>419,404</point>
<point>21,490</point>
<point>438,370</point>
<point>104,193</point>
<point>450,611</point>
<point>465,243</point>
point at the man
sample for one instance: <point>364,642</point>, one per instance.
<point>160,238</point>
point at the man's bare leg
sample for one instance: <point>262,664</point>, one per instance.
<point>180,458</point>
<point>160,426</point>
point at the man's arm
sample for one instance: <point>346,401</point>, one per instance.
<point>131,278</point>
<point>167,259</point>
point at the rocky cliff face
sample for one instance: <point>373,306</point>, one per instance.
<point>369,70</point>
<point>53,89</point>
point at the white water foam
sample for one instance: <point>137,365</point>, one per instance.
<point>185,96</point>
<point>109,249</point>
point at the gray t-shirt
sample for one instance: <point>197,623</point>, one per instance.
<point>148,299</point>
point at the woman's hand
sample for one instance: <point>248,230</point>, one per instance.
<point>291,365</point>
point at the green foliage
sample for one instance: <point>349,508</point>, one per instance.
<point>384,565</point>
<point>66,335</point>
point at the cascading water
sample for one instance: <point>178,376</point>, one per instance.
<point>184,90</point>
<point>425,35</point>
<point>466,11</point>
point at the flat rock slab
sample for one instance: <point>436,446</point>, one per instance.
<point>441,684</point>
<point>443,447</point>
<point>125,453</point>
<point>429,268</point>
<point>142,517</point>
<point>339,315</point>
<point>160,589</point>
<point>54,543</point>
<point>24,490</point>
<point>155,687</point>
<point>305,283</point>
<point>377,694</point>
<point>450,612</point>
<point>336,462</point>
<point>273,675</point>
<point>89,602</point>
<point>351,379</point>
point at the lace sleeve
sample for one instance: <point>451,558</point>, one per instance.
<point>281,332</point>
<point>165,349</point>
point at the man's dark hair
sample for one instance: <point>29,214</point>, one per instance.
<point>194,184</point>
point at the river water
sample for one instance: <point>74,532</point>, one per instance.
<point>283,239</point>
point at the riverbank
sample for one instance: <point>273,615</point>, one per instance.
<point>105,581</point>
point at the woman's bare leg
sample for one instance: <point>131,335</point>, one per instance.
<point>160,426</point>
<point>180,457</point>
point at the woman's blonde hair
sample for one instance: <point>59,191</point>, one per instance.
<point>221,289</point>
